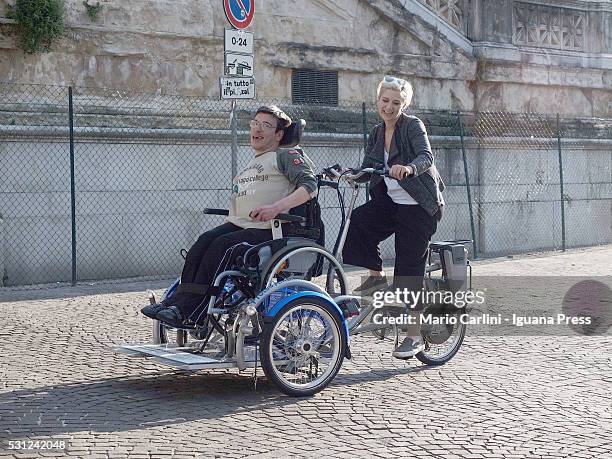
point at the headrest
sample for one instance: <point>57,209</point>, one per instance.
<point>293,134</point>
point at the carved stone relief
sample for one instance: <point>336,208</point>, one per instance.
<point>449,10</point>
<point>549,26</point>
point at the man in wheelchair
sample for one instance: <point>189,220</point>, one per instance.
<point>274,181</point>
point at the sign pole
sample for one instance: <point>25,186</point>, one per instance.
<point>237,81</point>
<point>234,134</point>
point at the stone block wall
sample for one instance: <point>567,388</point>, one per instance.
<point>499,59</point>
<point>508,55</point>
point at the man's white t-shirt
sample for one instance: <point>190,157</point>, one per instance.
<point>260,183</point>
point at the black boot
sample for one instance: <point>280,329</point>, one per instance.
<point>151,310</point>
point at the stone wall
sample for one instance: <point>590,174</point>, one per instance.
<point>498,59</point>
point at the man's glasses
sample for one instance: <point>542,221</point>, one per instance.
<point>265,125</point>
<point>398,81</point>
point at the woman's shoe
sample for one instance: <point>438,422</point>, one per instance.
<point>411,346</point>
<point>372,284</point>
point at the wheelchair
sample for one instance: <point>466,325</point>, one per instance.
<point>284,303</point>
<point>272,299</point>
<point>270,303</point>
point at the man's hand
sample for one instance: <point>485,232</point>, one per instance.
<point>400,172</point>
<point>265,213</point>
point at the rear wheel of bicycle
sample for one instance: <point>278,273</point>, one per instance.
<point>442,340</point>
<point>387,331</point>
<point>303,347</point>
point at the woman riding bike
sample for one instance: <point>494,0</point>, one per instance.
<point>407,204</point>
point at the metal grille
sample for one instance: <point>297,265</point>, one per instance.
<point>315,87</point>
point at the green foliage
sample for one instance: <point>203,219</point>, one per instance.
<point>92,10</point>
<point>10,12</point>
<point>40,22</point>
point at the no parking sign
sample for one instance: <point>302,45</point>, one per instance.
<point>239,12</point>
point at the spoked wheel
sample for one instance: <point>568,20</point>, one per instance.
<point>442,341</point>
<point>388,332</point>
<point>303,347</point>
<point>306,261</point>
<point>163,334</point>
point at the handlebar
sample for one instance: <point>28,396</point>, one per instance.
<point>329,183</point>
<point>335,173</point>
<point>283,217</point>
<point>357,173</point>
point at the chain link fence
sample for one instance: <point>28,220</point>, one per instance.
<point>586,146</point>
<point>515,183</point>
<point>102,184</point>
<point>145,167</point>
<point>35,229</point>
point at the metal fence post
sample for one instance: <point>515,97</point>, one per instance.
<point>467,184</point>
<point>561,184</point>
<point>72,187</point>
<point>234,134</point>
<point>364,129</point>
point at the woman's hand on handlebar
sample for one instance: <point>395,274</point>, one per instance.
<point>400,172</point>
<point>397,172</point>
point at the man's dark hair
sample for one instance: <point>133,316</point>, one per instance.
<point>282,119</point>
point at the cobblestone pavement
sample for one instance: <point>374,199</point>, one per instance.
<point>501,396</point>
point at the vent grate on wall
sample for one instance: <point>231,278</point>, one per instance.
<point>310,86</point>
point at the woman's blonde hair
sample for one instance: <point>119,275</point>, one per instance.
<point>391,82</point>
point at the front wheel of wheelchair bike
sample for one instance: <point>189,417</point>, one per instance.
<point>442,341</point>
<point>303,347</point>
<point>166,335</point>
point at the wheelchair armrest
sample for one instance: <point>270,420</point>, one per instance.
<point>281,217</point>
<point>290,218</point>
<point>216,211</point>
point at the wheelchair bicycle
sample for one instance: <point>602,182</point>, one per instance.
<point>284,304</point>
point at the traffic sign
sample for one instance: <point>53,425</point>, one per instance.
<point>238,65</point>
<point>239,12</point>
<point>237,88</point>
<point>238,41</point>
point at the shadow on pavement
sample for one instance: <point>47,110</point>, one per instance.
<point>132,403</point>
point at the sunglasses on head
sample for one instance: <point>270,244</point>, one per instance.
<point>391,79</point>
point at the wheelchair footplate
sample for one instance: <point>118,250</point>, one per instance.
<point>187,358</point>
